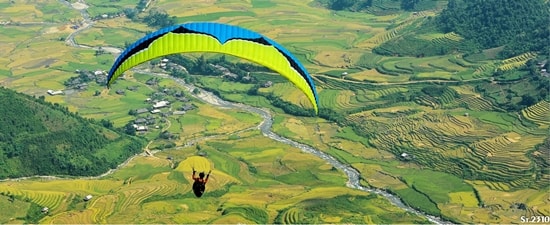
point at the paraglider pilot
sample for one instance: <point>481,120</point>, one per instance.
<point>200,182</point>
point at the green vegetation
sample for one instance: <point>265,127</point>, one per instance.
<point>13,209</point>
<point>41,138</point>
<point>342,209</point>
<point>259,216</point>
<point>451,126</point>
<point>380,6</point>
<point>473,26</point>
<point>518,25</point>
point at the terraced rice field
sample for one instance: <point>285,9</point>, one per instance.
<point>476,103</point>
<point>538,113</point>
<point>516,62</point>
<point>257,181</point>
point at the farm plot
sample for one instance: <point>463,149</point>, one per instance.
<point>338,99</point>
<point>516,61</point>
<point>344,208</point>
<point>475,102</point>
<point>493,154</point>
<point>538,113</point>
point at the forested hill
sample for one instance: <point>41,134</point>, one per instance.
<point>513,26</point>
<point>40,138</point>
<point>518,25</point>
<point>380,6</point>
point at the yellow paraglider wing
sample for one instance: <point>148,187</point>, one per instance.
<point>218,38</point>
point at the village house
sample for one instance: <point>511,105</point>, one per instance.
<point>406,156</point>
<point>151,82</point>
<point>141,128</point>
<point>52,92</point>
<point>187,107</point>
<point>183,99</point>
<point>267,84</point>
<point>149,120</point>
<point>87,197</point>
<point>142,110</point>
<point>82,87</point>
<point>225,72</point>
<point>140,121</point>
<point>163,63</point>
<point>344,74</point>
<point>161,104</point>
<point>99,72</point>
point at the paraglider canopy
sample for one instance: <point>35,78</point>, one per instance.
<point>219,38</point>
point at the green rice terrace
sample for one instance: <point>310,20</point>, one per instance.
<point>454,128</point>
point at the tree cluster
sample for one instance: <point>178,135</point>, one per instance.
<point>159,19</point>
<point>207,66</point>
<point>40,138</point>
<point>354,5</point>
<point>359,5</point>
<point>518,25</point>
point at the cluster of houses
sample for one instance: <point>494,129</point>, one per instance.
<point>542,68</point>
<point>225,72</point>
<point>81,81</point>
<point>108,16</point>
<point>141,123</point>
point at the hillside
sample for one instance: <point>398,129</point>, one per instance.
<point>511,27</point>
<point>40,138</point>
<point>381,7</point>
<point>518,25</point>
<point>455,135</point>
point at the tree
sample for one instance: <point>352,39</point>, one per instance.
<point>158,19</point>
<point>408,5</point>
<point>99,51</point>
<point>129,129</point>
<point>130,13</point>
<point>106,123</point>
<point>527,100</point>
<point>340,4</point>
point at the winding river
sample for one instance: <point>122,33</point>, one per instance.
<point>265,127</point>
